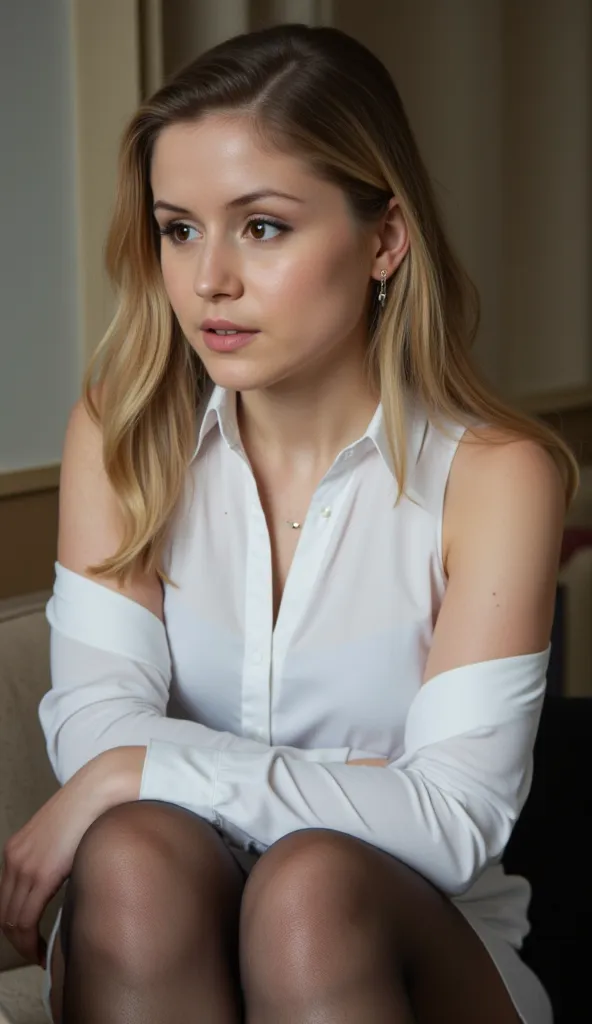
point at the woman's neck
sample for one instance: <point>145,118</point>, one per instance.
<point>306,425</point>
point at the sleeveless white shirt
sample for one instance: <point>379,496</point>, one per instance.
<point>348,651</point>
<point>251,726</point>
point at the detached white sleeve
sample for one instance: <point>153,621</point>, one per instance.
<point>446,807</point>
<point>111,676</point>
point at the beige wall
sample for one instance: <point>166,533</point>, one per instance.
<point>189,27</point>
<point>547,265</point>
<point>107,91</point>
<point>445,59</point>
<point>500,96</point>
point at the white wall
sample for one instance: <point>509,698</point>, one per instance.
<point>40,355</point>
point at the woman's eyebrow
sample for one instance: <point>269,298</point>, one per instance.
<point>244,200</point>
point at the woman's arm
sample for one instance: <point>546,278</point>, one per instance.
<point>503,527</point>
<point>447,806</point>
<point>110,662</point>
<point>90,523</point>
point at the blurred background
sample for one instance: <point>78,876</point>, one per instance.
<point>499,93</point>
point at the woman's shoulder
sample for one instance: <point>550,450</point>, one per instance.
<point>475,452</point>
<point>82,469</point>
<point>487,449</point>
<point>500,480</point>
<point>90,522</point>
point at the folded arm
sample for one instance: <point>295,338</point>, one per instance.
<point>111,675</point>
<point>447,806</point>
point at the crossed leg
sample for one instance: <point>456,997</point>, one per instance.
<point>159,926</point>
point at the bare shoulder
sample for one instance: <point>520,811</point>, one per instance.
<point>496,474</point>
<point>90,524</point>
<point>503,523</point>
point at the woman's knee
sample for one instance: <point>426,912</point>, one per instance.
<point>147,878</point>
<point>308,874</point>
<point>143,842</point>
<point>308,897</point>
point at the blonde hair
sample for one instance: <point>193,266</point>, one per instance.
<point>297,87</point>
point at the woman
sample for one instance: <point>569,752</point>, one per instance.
<point>307,563</point>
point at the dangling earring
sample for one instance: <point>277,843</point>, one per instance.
<point>382,292</point>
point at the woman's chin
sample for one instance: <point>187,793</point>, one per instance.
<point>238,374</point>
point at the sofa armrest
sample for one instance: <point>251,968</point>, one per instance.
<point>26,777</point>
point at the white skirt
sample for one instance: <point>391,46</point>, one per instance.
<point>532,1003</point>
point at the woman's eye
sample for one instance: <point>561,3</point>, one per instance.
<point>262,222</point>
<point>180,233</point>
<point>173,231</point>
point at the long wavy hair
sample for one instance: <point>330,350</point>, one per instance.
<point>145,382</point>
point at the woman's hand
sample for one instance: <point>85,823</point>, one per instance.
<point>376,762</point>
<point>39,858</point>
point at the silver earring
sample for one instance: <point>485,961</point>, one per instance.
<point>382,292</point>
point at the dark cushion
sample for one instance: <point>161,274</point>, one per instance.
<point>551,846</point>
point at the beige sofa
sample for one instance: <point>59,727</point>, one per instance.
<point>26,779</point>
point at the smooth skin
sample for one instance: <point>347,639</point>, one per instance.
<point>302,398</point>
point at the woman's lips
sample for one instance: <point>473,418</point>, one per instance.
<point>227,342</point>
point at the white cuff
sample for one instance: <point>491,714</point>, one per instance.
<point>182,775</point>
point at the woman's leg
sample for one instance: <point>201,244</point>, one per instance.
<point>149,929</point>
<point>333,929</point>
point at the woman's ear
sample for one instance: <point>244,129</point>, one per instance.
<point>390,241</point>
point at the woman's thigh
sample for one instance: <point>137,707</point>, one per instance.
<point>187,835</point>
<point>312,895</point>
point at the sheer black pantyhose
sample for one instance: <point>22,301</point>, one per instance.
<point>159,927</point>
<point>150,923</point>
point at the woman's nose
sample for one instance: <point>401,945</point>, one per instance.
<point>216,272</point>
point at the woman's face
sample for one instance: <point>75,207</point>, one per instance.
<point>295,270</point>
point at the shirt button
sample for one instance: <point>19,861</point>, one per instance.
<point>326,513</point>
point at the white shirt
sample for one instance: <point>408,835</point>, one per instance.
<point>251,726</point>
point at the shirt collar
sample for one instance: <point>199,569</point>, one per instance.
<point>220,409</point>
<point>416,426</point>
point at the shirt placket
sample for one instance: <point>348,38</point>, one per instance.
<point>265,649</point>
<point>258,620</point>
<point>321,521</point>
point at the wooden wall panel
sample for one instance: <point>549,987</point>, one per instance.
<point>28,542</point>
